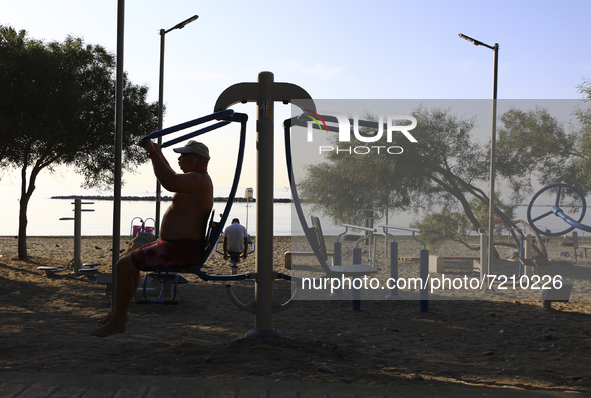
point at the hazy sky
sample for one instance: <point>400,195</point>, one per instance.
<point>333,49</point>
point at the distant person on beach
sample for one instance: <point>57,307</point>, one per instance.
<point>182,232</point>
<point>235,241</point>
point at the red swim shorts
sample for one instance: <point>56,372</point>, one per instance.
<point>168,253</point>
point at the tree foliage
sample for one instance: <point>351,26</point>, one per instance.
<point>444,167</point>
<point>58,108</point>
<point>438,227</point>
<point>583,116</point>
<point>445,175</point>
<point>534,147</point>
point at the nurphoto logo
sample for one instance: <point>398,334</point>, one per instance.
<point>344,130</point>
<point>317,119</point>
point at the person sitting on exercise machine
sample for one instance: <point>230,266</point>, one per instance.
<point>182,231</point>
<point>235,241</point>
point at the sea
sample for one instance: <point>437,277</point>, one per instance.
<point>45,213</point>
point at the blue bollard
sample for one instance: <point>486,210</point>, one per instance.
<point>337,261</point>
<point>356,293</point>
<point>424,273</point>
<point>394,272</point>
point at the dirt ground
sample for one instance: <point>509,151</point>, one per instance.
<point>45,321</point>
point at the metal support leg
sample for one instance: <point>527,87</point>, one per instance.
<point>337,260</point>
<point>77,263</point>
<point>424,271</point>
<point>356,292</point>
<point>263,325</point>
<point>394,272</point>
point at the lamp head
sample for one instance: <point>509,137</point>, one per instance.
<point>471,40</point>
<point>184,23</point>
<point>188,21</point>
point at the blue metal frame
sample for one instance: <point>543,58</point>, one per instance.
<point>214,116</point>
<point>215,227</point>
<point>308,231</point>
<point>558,212</point>
<point>234,262</point>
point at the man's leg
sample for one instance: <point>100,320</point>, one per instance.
<point>106,319</point>
<point>235,256</point>
<point>128,278</point>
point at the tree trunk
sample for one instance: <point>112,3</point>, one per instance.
<point>26,192</point>
<point>22,227</point>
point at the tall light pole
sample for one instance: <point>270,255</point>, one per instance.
<point>493,141</point>
<point>163,32</point>
<point>118,147</point>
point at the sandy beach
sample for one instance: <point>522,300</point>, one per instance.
<point>484,341</point>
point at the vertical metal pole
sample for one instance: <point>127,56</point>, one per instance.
<point>248,195</point>
<point>527,254</point>
<point>484,264</point>
<point>493,142</point>
<point>118,146</point>
<point>160,116</point>
<point>337,260</point>
<point>337,257</point>
<point>424,274</point>
<point>247,206</point>
<point>77,234</point>
<point>394,271</point>
<point>386,235</point>
<point>356,292</point>
<point>264,205</point>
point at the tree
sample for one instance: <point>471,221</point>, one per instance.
<point>342,185</point>
<point>58,108</point>
<point>446,224</point>
<point>583,116</point>
<point>437,227</point>
<point>535,146</point>
<point>446,168</point>
<point>445,163</point>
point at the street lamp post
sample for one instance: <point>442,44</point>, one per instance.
<point>491,210</point>
<point>163,32</point>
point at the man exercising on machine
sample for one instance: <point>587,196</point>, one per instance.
<point>235,241</point>
<point>182,232</point>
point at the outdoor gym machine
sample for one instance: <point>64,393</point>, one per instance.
<point>265,93</point>
<point>423,269</point>
<point>76,262</point>
<point>557,210</point>
<point>235,259</point>
<point>561,294</point>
